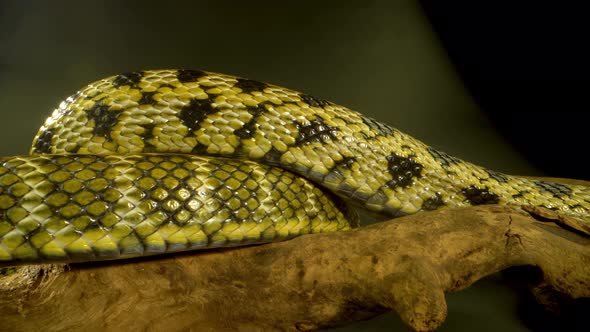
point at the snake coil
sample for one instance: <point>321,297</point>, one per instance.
<point>161,161</point>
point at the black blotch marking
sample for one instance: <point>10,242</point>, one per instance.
<point>479,196</point>
<point>502,178</point>
<point>248,86</point>
<point>314,131</point>
<point>247,131</point>
<point>196,111</point>
<point>381,128</point>
<point>43,144</point>
<point>374,259</point>
<point>147,98</point>
<point>402,170</point>
<point>104,120</point>
<point>444,159</point>
<point>556,189</point>
<point>131,79</point>
<point>199,149</point>
<point>313,101</point>
<point>345,162</point>
<point>188,75</point>
<point>433,202</point>
<point>249,128</point>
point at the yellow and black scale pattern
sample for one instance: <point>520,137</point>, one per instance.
<point>119,170</point>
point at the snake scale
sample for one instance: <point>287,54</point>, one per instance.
<point>159,161</point>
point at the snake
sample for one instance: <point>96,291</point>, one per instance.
<point>159,161</point>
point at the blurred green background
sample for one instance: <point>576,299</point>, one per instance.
<point>381,58</point>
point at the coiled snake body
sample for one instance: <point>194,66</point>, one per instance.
<point>169,160</point>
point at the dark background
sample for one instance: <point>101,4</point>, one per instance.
<point>492,83</point>
<point>526,65</point>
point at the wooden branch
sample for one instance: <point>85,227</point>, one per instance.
<point>310,282</point>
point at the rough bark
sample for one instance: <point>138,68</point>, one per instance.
<point>310,282</point>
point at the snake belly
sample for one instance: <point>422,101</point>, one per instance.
<point>367,163</point>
